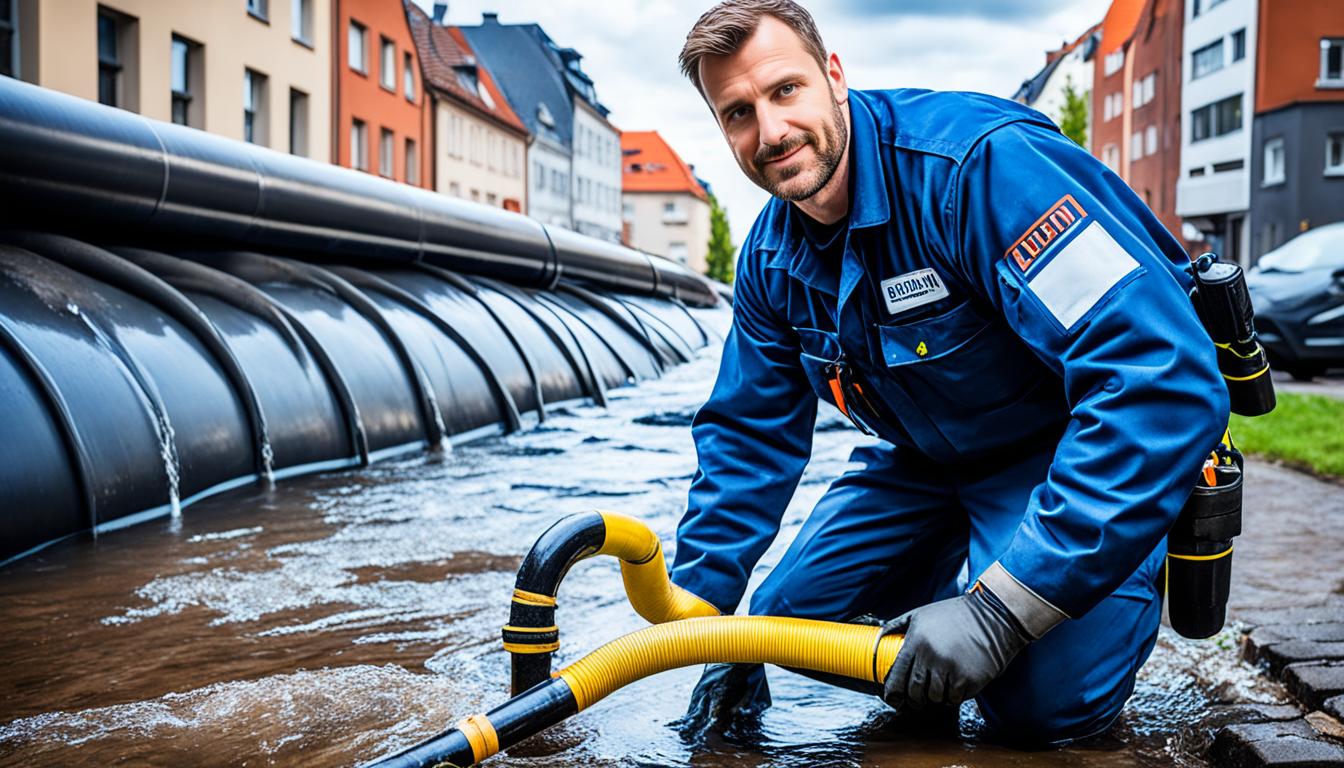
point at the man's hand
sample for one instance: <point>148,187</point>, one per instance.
<point>727,694</point>
<point>953,649</point>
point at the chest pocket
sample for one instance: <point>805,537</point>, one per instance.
<point>819,348</point>
<point>961,364</point>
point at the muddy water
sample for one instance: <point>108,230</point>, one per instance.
<point>333,619</point>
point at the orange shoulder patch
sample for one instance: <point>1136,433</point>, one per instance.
<point>1062,217</point>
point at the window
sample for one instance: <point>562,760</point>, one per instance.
<point>1216,119</point>
<point>1194,9</point>
<point>1332,63</point>
<point>1230,165</point>
<point>1196,172</point>
<point>1114,62</point>
<point>298,123</point>
<point>1334,154</point>
<point>1111,156</point>
<point>301,21</point>
<point>1273,172</point>
<point>387,67</point>
<point>476,195</point>
<point>254,107</point>
<point>1239,45</point>
<point>408,76</point>
<point>1136,145</point>
<point>1206,60</point>
<point>257,8</point>
<point>454,189</point>
<point>185,76</point>
<point>538,175</point>
<point>357,48</point>
<point>359,145</point>
<point>9,50</point>
<point>109,59</point>
<point>386,142</point>
<point>412,163</point>
<point>678,252</point>
<point>491,198</point>
<point>1144,89</point>
<point>1150,140</point>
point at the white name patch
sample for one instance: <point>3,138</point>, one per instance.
<point>913,289</point>
<point>1081,273</point>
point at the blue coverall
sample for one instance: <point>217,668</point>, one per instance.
<point>1048,398</point>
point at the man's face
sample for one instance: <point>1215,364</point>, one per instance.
<point>779,111</point>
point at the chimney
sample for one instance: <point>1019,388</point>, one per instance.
<point>489,17</point>
<point>440,10</point>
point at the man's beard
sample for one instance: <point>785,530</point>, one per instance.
<point>829,156</point>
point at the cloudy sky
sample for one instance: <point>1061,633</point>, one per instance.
<point>630,50</point>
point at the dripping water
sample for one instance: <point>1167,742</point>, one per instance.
<point>149,397</point>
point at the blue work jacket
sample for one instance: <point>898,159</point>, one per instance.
<point>999,289</point>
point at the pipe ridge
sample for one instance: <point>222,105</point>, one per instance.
<point>630,372</point>
<point>626,324</point>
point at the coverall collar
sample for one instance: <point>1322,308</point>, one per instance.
<point>869,205</point>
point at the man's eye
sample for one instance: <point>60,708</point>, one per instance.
<point>788,90</point>
<point>738,113</point>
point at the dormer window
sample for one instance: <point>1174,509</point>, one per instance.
<point>544,116</point>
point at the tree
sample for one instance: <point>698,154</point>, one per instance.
<point>1073,114</point>
<point>719,260</point>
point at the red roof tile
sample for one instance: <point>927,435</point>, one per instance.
<point>650,165</point>
<point>444,52</point>
<point>1118,26</point>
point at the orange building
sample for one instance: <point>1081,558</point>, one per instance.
<point>665,210</point>
<point>1112,79</point>
<point>1154,138</point>
<point>378,94</point>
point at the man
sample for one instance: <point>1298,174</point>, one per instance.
<point>1012,322</point>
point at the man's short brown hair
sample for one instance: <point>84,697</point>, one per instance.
<point>723,28</point>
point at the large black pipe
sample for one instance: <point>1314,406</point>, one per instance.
<point>81,165</point>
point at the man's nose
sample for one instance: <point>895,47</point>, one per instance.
<point>773,127</point>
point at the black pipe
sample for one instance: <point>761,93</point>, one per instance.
<point>558,306</point>
<point>107,267</point>
<point>173,181</point>
<point>519,718</point>
<point>569,540</point>
<point>626,324</point>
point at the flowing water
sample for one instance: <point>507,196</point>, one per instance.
<point>333,619</point>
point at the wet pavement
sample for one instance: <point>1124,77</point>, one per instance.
<point>333,619</point>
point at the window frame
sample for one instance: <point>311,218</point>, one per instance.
<point>1324,80</point>
<point>408,76</point>
<point>358,31</point>
<point>1212,114</point>
<point>301,22</point>
<point>1336,138</point>
<point>180,97</point>
<point>298,144</point>
<point>387,153</point>
<point>359,144</point>
<point>1274,146</point>
<point>110,66</point>
<point>1238,45</point>
<point>259,10</point>
<point>255,115</point>
<point>411,160</point>
<point>1195,72</point>
<point>387,76</point>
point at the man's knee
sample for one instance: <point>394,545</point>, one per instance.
<point>1048,718</point>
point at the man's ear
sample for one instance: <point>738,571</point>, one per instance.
<point>835,75</point>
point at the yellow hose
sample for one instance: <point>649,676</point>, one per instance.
<point>819,646</point>
<point>644,571</point>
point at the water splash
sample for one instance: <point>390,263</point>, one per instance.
<point>152,401</point>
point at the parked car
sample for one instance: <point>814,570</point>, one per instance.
<point>1298,293</point>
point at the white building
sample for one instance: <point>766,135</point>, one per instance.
<point>1217,101</point>
<point>1070,65</point>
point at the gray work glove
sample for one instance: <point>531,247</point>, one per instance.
<point>953,649</point>
<point>727,694</point>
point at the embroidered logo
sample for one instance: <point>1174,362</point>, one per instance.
<point>913,289</point>
<point>922,349</point>
<point>1062,217</point>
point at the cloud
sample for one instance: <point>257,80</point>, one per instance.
<point>984,9</point>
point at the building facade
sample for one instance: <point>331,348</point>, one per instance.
<point>574,159</point>
<point>1218,91</point>
<point>1070,66</point>
<point>1297,140</point>
<point>1154,138</point>
<point>378,126</point>
<point>1112,82</point>
<point>480,145</point>
<point>665,209</point>
<point>253,70</point>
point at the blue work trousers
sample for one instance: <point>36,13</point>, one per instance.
<point>895,534</point>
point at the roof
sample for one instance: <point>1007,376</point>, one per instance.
<point>1030,90</point>
<point>1118,26</point>
<point>535,72</point>
<point>450,67</point>
<point>651,165</point>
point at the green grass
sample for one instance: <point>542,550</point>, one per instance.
<point>1305,431</point>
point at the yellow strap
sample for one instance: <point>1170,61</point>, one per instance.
<point>511,628</point>
<point>1255,375</point>
<point>1197,558</point>
<point>480,733</point>
<point>532,647</point>
<point>533,598</point>
<point>1228,348</point>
